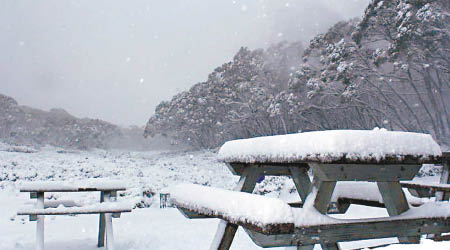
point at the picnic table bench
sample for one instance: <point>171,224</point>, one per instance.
<point>107,207</point>
<point>382,157</point>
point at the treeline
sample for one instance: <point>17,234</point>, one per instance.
<point>389,69</point>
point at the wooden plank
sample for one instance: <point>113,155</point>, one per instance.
<point>396,203</point>
<point>310,247</point>
<point>323,197</point>
<point>109,232</point>
<point>445,179</point>
<point>228,236</point>
<point>324,192</point>
<point>108,223</point>
<point>101,224</point>
<point>74,189</point>
<point>274,170</point>
<point>246,183</point>
<point>62,212</point>
<point>387,159</point>
<point>430,187</point>
<point>330,246</point>
<point>352,231</point>
<point>301,180</point>
<point>360,172</point>
<point>266,228</point>
<point>190,214</point>
<point>40,222</point>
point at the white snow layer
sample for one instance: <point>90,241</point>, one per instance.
<point>104,207</point>
<point>67,186</point>
<point>259,210</point>
<point>330,145</point>
<point>363,190</point>
<point>235,206</point>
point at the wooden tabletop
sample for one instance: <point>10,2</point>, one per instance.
<point>80,186</point>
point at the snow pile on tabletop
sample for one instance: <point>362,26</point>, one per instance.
<point>326,146</point>
<point>235,206</point>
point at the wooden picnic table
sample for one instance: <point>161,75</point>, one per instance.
<point>108,193</point>
<point>387,172</point>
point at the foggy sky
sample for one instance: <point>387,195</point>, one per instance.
<point>116,60</point>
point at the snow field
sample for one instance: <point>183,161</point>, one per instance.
<point>146,228</point>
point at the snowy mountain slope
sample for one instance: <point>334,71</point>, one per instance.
<point>24,125</point>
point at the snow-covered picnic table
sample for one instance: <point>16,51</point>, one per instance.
<point>108,207</point>
<point>380,156</point>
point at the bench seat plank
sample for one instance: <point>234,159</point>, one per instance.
<point>108,207</point>
<point>295,218</point>
<point>425,189</point>
<point>352,231</point>
<point>232,206</point>
<point>434,186</point>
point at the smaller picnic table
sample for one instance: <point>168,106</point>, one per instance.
<point>380,156</point>
<point>107,208</point>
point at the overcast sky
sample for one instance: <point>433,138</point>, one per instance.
<point>116,60</point>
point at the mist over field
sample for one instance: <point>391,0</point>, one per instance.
<point>116,60</point>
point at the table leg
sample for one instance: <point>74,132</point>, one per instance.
<point>323,197</point>
<point>396,203</point>
<point>108,224</point>
<point>40,222</point>
<point>440,195</point>
<point>445,179</point>
<point>330,246</point>
<point>226,231</point>
<point>301,180</point>
<point>324,192</point>
<point>101,225</point>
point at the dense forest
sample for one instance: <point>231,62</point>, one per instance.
<point>389,69</point>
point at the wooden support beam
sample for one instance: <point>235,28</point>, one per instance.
<point>396,203</point>
<point>190,214</point>
<point>40,222</point>
<point>360,172</point>
<point>301,180</point>
<point>228,236</point>
<point>330,246</point>
<point>108,223</point>
<point>323,197</point>
<point>445,179</point>
<point>324,192</point>
<point>246,183</point>
<point>101,224</point>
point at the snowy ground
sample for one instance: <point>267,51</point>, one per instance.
<point>144,228</point>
